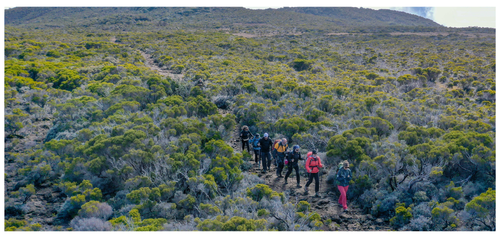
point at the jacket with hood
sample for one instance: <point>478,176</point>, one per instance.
<point>254,142</point>
<point>245,135</point>
<point>265,145</point>
<point>313,164</point>
<point>280,148</point>
<point>293,158</point>
<point>344,176</point>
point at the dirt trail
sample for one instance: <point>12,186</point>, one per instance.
<point>444,34</point>
<point>150,63</point>
<point>327,205</point>
<point>164,72</point>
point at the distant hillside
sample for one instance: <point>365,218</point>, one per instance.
<point>364,16</point>
<point>229,19</point>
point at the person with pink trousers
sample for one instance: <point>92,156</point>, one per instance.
<point>344,176</point>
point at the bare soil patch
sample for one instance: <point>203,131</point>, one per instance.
<point>247,35</point>
<point>416,34</point>
<point>153,66</point>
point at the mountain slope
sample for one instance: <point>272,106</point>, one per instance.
<point>364,16</point>
<point>300,19</point>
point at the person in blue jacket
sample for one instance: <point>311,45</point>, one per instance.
<point>256,148</point>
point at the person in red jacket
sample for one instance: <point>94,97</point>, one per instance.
<point>313,163</point>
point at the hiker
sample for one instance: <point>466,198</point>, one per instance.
<point>293,163</point>
<point>245,135</point>
<point>281,148</point>
<point>256,148</point>
<point>313,163</point>
<point>344,176</point>
<point>265,144</point>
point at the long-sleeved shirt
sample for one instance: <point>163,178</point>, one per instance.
<point>245,135</point>
<point>293,158</point>
<point>266,145</point>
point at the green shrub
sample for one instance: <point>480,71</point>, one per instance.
<point>402,217</point>
<point>260,191</point>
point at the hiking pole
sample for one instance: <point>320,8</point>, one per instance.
<point>320,179</point>
<point>321,175</point>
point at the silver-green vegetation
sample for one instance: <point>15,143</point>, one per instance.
<point>131,149</point>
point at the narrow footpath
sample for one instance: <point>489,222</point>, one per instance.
<point>326,205</point>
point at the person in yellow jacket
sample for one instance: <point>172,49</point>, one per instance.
<point>281,149</point>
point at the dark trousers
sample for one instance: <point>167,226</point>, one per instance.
<point>243,143</point>
<point>257,155</point>
<point>290,169</point>
<point>266,160</point>
<point>281,163</point>
<point>316,179</point>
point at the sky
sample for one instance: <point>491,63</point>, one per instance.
<point>457,13</point>
<point>453,16</point>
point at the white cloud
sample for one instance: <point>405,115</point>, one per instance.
<point>465,16</point>
<point>456,16</point>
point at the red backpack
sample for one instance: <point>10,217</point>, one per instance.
<point>273,150</point>
<point>274,144</point>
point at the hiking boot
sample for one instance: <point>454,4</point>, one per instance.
<point>280,176</point>
<point>298,186</point>
<point>317,196</point>
<point>346,210</point>
<point>305,191</point>
<point>264,171</point>
<point>286,182</point>
<point>340,205</point>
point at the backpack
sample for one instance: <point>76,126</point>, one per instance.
<point>341,164</point>
<point>312,159</point>
<point>274,143</point>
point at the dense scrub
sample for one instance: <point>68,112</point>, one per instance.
<point>131,149</point>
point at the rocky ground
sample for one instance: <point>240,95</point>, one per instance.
<point>42,207</point>
<point>327,205</point>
